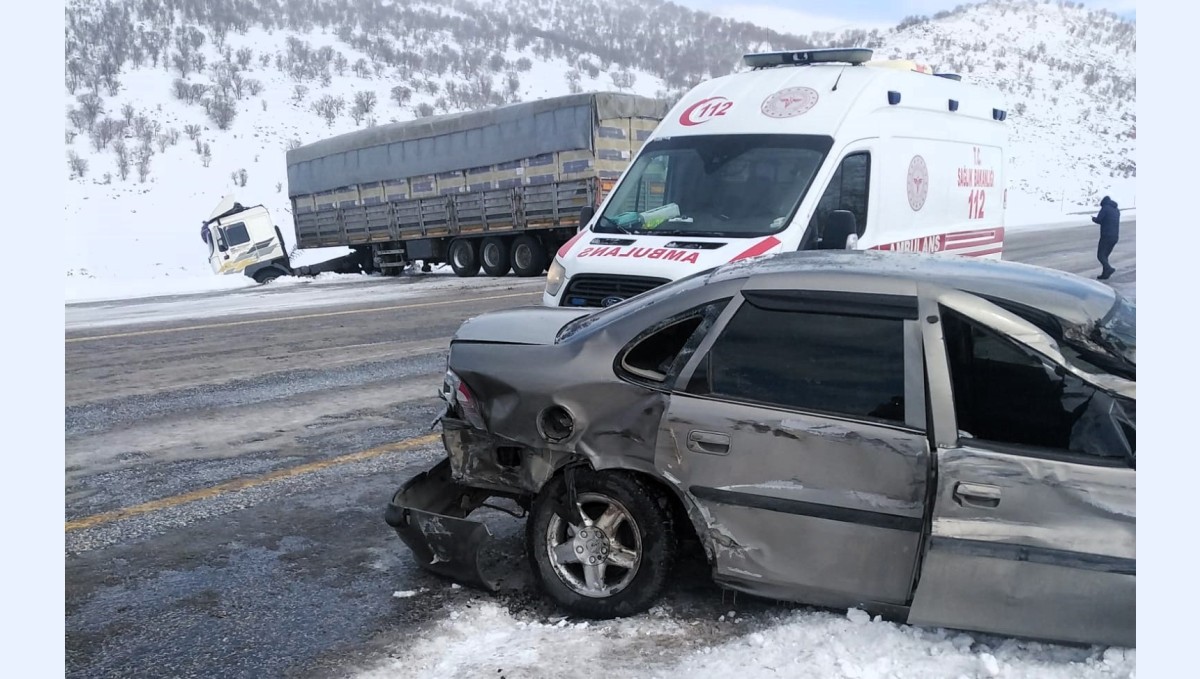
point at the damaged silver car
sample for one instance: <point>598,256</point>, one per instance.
<point>946,441</point>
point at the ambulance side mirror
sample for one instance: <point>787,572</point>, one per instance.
<point>585,215</point>
<point>840,228</point>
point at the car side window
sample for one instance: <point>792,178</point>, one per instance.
<point>848,190</point>
<point>813,361</point>
<point>660,351</point>
<point>1006,393</point>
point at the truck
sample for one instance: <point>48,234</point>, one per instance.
<point>498,190</point>
<point>808,149</point>
<point>246,240</point>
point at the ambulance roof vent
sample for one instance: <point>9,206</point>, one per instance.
<point>849,55</point>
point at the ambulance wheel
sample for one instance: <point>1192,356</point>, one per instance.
<point>495,256</point>
<point>464,258</point>
<point>528,256</point>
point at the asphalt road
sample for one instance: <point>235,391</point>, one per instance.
<point>227,470</point>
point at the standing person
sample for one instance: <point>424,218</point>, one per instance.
<point>1109,219</point>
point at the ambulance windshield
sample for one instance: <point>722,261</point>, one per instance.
<point>726,186</point>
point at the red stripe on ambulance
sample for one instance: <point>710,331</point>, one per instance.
<point>758,248</point>
<point>562,252</point>
<point>977,243</point>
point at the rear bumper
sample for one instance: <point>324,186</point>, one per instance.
<point>429,514</point>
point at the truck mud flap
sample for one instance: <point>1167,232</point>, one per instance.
<point>428,513</point>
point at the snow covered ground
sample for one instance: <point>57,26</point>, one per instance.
<point>293,294</point>
<point>485,640</point>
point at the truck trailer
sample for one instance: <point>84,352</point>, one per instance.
<point>500,189</point>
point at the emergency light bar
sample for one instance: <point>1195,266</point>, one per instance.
<point>851,55</point>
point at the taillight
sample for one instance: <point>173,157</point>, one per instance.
<point>457,393</point>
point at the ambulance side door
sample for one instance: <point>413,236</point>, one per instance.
<point>850,187</point>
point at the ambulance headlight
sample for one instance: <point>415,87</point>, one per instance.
<point>555,278</point>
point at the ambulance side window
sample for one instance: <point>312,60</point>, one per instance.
<point>848,190</point>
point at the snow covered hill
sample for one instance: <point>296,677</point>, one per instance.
<point>1069,76</point>
<point>203,97</point>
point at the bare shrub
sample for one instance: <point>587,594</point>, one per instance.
<point>328,107</point>
<point>77,165</point>
<point>122,152</point>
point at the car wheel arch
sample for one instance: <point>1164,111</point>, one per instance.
<point>689,520</point>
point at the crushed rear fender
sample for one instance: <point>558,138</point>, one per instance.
<point>428,513</point>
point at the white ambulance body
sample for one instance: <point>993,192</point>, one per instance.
<point>779,158</point>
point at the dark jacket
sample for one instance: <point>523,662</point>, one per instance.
<point>1109,219</point>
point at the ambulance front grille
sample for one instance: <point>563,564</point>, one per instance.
<point>596,289</point>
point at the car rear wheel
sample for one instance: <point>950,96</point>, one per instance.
<point>616,560</point>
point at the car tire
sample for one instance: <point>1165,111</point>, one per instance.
<point>528,256</point>
<point>464,257</point>
<point>495,256</point>
<point>635,527</point>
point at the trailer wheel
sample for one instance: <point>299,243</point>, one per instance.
<point>495,256</point>
<point>528,256</point>
<point>464,258</point>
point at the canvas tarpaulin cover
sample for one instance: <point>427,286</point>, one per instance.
<point>459,141</point>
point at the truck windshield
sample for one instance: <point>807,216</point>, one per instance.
<point>726,186</point>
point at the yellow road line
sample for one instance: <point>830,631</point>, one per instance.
<point>326,314</point>
<point>242,484</point>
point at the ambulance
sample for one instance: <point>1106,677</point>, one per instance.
<point>814,149</point>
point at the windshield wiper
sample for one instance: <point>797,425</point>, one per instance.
<point>606,220</point>
<point>686,232</point>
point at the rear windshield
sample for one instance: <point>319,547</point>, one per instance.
<point>728,186</point>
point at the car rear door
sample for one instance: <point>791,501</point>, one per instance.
<point>798,430</point>
<point>1033,525</point>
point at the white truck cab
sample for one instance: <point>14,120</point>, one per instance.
<point>244,240</point>
<point>810,149</point>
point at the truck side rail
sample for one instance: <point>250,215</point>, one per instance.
<point>534,206</point>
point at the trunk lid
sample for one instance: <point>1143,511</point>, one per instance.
<point>524,325</point>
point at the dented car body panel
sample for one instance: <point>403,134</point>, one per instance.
<point>1053,557</point>
<point>838,428</point>
<point>806,480</point>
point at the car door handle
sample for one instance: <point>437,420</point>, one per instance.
<point>976,494</point>
<point>708,442</point>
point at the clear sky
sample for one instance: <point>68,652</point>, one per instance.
<point>804,16</point>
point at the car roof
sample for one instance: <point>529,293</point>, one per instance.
<point>1072,298</point>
